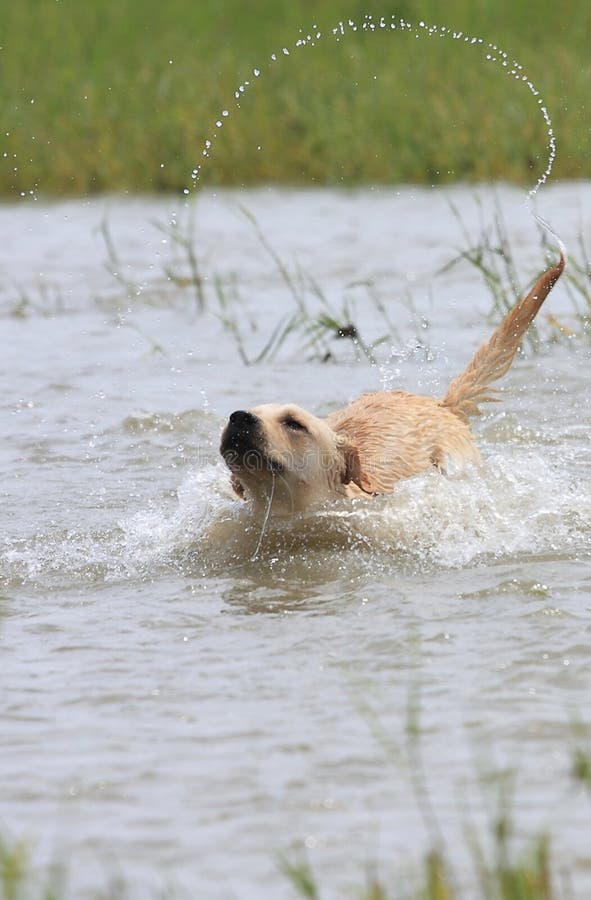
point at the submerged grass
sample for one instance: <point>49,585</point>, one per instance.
<point>109,96</point>
<point>492,256</point>
<point>20,881</point>
<point>312,327</point>
<point>502,871</point>
<point>527,878</point>
<point>315,327</point>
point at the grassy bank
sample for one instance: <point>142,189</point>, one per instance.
<point>112,96</point>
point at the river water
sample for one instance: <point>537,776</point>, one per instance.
<point>179,711</point>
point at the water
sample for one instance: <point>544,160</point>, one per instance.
<point>178,714</point>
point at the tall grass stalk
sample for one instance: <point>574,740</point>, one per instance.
<point>114,265</point>
<point>314,325</point>
<point>501,872</point>
<point>491,255</point>
<point>185,241</point>
<point>19,880</point>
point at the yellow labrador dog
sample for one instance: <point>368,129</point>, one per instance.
<point>287,460</point>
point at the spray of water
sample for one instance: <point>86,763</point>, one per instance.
<point>491,54</point>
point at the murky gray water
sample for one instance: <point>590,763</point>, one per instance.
<point>179,714</point>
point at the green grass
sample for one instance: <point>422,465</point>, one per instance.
<point>121,96</point>
<point>526,877</point>
<point>502,868</point>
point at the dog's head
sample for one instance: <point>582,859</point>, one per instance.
<point>283,455</point>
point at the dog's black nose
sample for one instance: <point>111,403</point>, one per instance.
<point>243,419</point>
<point>240,436</point>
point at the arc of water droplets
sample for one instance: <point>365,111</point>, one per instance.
<point>493,54</point>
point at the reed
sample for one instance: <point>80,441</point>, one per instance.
<point>530,878</point>
<point>491,255</point>
<point>314,327</point>
<point>504,871</point>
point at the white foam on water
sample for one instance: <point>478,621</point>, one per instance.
<point>517,504</point>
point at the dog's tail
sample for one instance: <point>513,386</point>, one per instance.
<point>494,358</point>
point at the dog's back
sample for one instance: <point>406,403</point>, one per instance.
<point>389,435</point>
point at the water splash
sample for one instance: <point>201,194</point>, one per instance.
<point>431,523</point>
<point>491,54</point>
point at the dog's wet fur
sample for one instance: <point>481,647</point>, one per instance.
<point>287,460</point>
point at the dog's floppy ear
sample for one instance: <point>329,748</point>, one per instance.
<point>356,481</point>
<point>237,486</point>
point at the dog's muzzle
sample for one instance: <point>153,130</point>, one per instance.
<point>240,441</point>
<point>240,434</point>
<point>242,444</point>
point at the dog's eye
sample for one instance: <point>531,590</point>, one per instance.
<point>293,424</point>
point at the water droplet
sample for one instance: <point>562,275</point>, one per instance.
<point>491,53</point>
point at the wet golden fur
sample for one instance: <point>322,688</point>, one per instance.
<point>287,460</point>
